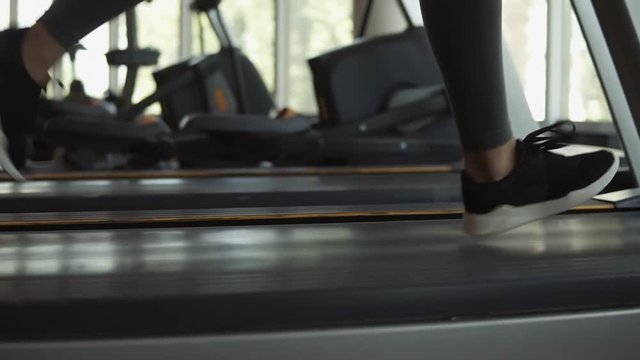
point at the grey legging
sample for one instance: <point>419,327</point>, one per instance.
<point>466,36</point>
<point>71,20</point>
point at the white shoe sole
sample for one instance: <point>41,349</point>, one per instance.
<point>508,217</point>
<point>5,160</point>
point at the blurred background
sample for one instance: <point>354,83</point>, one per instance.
<point>549,49</point>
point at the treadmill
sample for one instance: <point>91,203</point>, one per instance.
<point>564,288</point>
<point>227,200</point>
<point>568,287</point>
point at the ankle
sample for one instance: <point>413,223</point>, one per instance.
<point>492,165</point>
<point>40,51</point>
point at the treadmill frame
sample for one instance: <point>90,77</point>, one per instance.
<point>613,42</point>
<point>587,336</point>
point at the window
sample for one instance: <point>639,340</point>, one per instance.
<point>525,27</point>
<point>30,11</point>
<point>4,14</point>
<point>91,65</point>
<point>587,101</point>
<point>252,26</point>
<point>525,31</point>
<point>204,39</point>
<point>158,27</point>
<point>319,27</point>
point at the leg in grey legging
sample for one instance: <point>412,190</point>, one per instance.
<point>26,55</point>
<point>71,20</point>
<point>466,36</point>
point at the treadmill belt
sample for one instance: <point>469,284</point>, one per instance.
<point>226,193</point>
<point>175,282</point>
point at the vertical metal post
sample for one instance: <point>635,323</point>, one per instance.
<point>13,13</point>
<point>634,10</point>
<point>282,50</point>
<point>114,42</point>
<point>558,60</point>
<point>361,15</point>
<point>614,47</point>
<point>383,17</point>
<point>186,30</point>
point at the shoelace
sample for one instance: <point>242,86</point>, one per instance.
<point>551,137</point>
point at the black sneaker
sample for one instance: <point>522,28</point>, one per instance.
<point>542,184</point>
<point>19,96</point>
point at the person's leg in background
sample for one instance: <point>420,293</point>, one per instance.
<point>506,182</point>
<point>26,55</point>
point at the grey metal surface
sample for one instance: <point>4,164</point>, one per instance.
<point>588,336</point>
<point>226,192</point>
<point>172,282</point>
<point>232,184</point>
<point>558,61</point>
<point>624,199</point>
<point>142,263</point>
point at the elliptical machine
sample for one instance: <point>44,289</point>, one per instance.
<point>88,138</point>
<point>221,112</point>
<point>396,115</point>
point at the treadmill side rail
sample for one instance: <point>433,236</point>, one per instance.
<point>611,335</point>
<point>625,199</point>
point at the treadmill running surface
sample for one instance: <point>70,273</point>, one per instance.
<point>94,284</point>
<point>226,192</point>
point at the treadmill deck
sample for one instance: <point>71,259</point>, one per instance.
<point>226,193</point>
<point>287,277</point>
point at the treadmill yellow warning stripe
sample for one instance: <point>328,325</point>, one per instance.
<point>182,174</point>
<point>128,218</point>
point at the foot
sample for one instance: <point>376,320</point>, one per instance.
<point>542,184</point>
<point>18,99</point>
<point>5,161</point>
